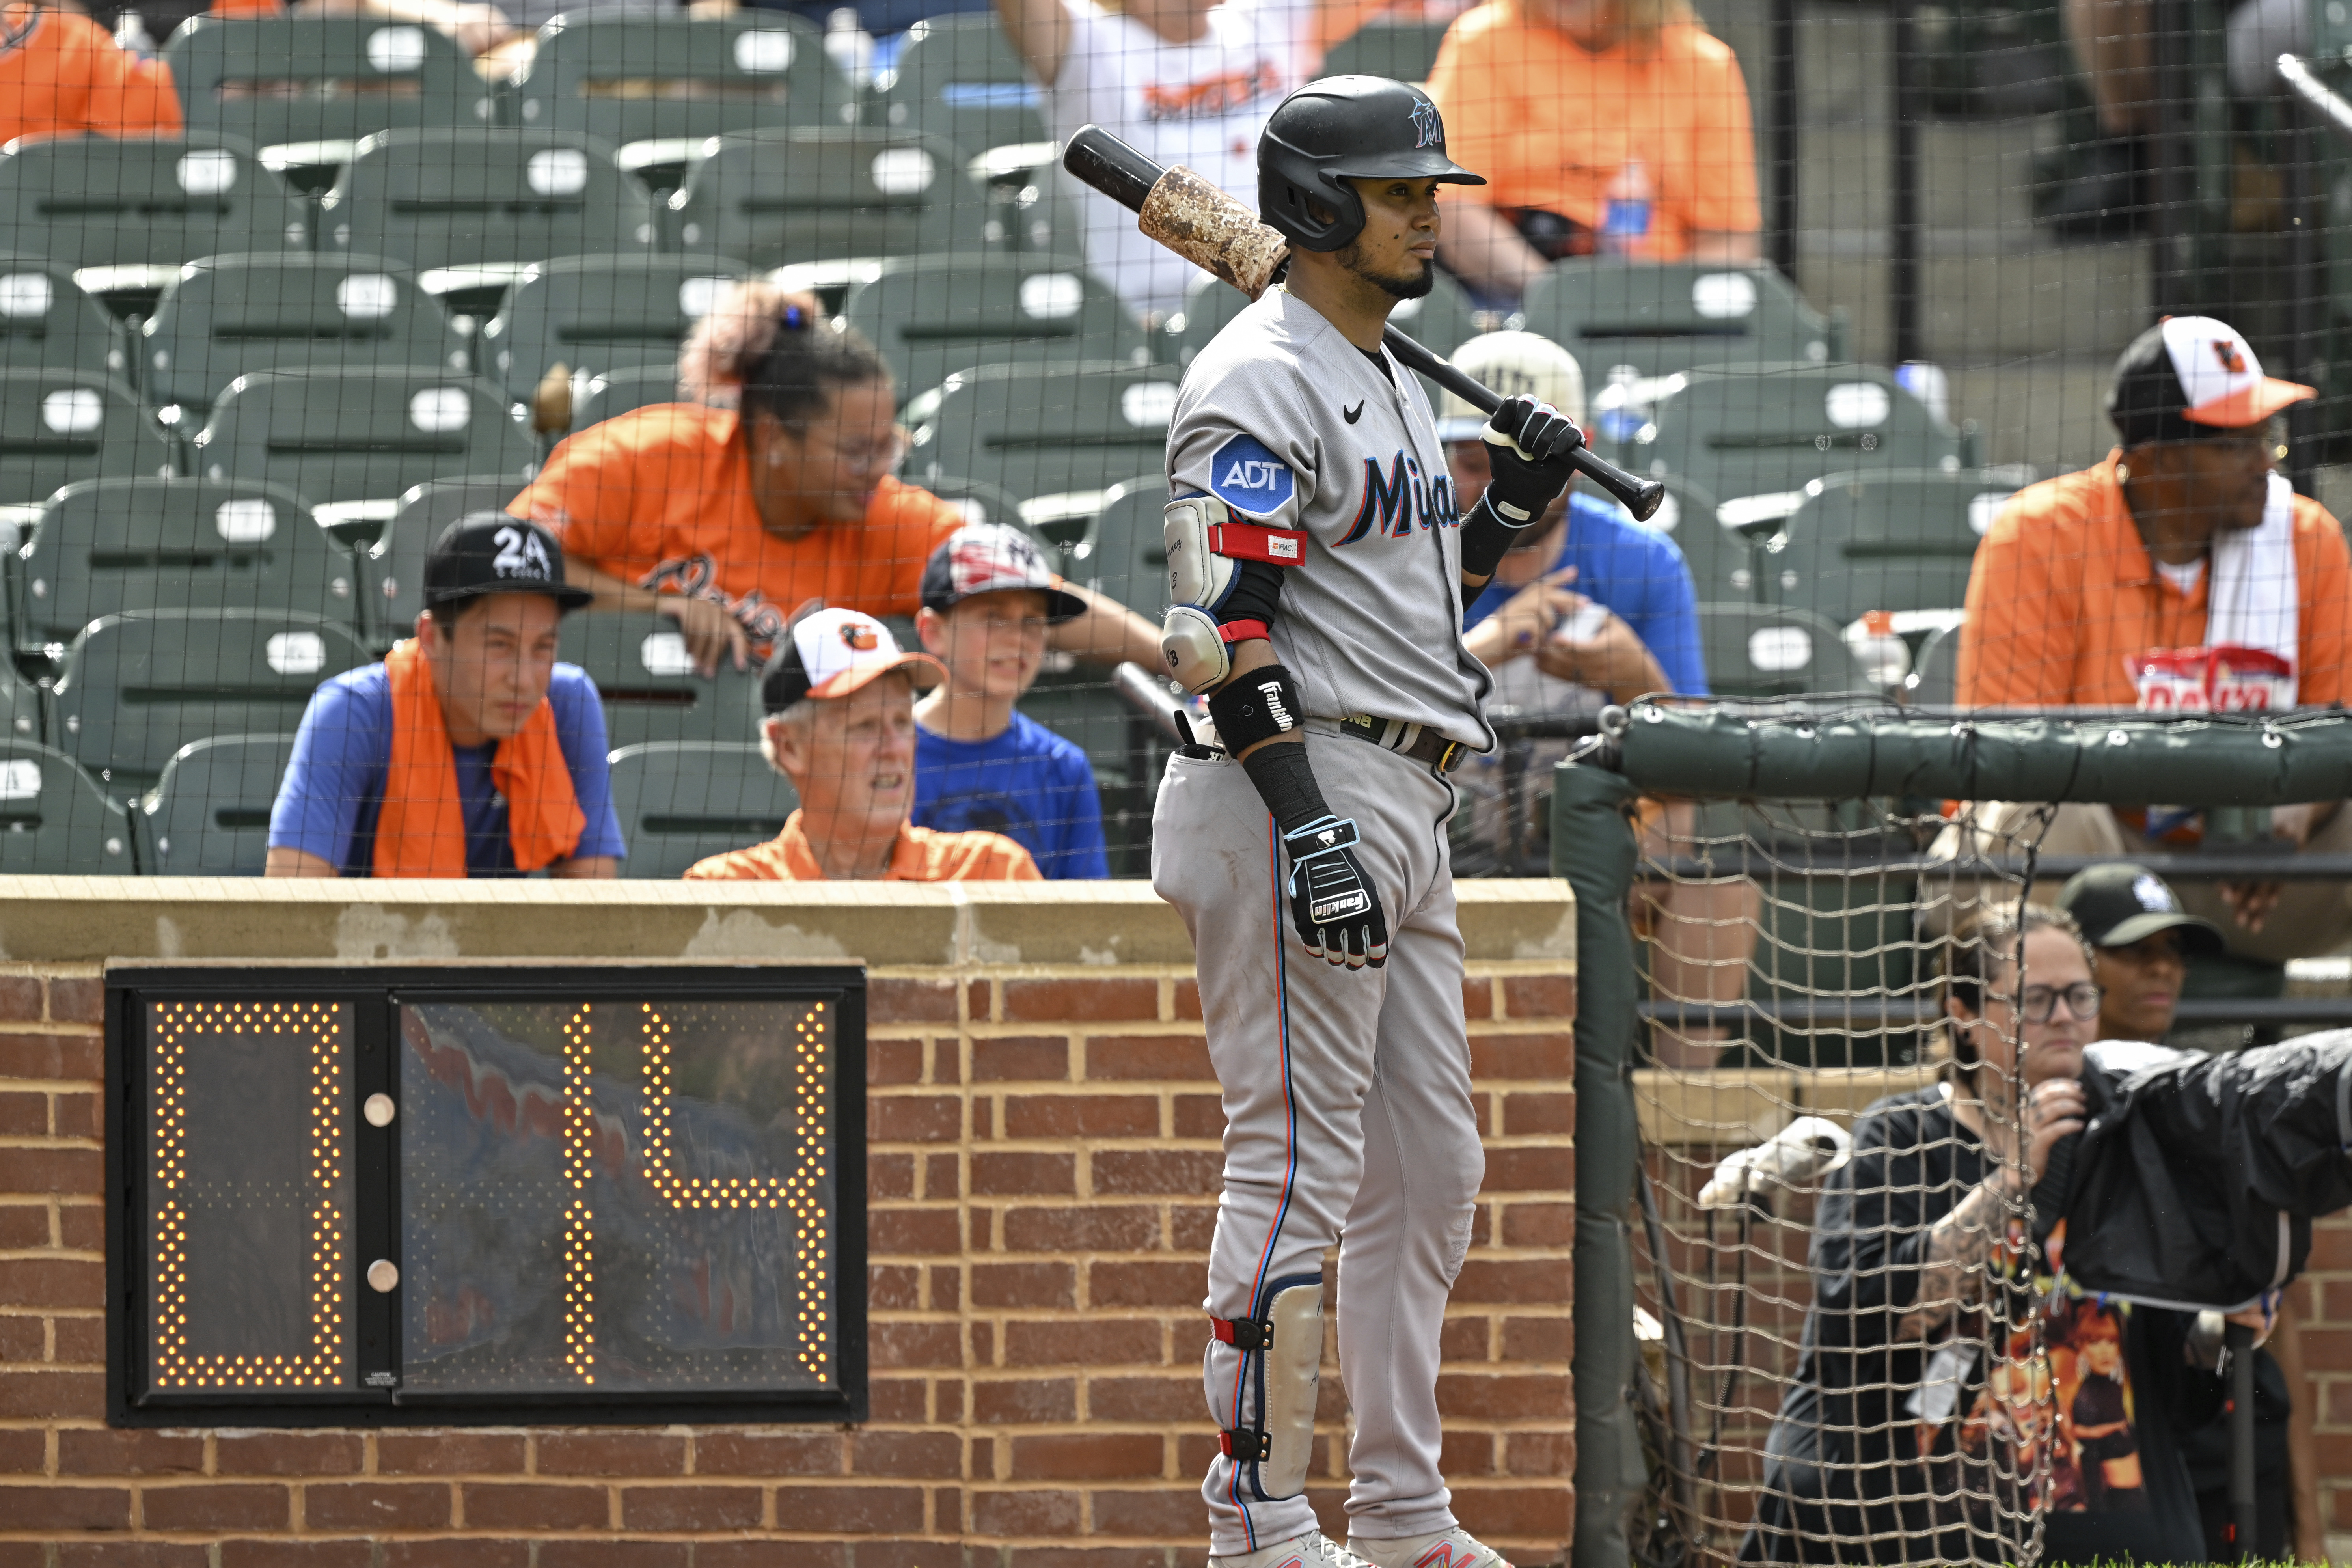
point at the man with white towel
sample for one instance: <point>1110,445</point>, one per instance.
<point>2180,575</point>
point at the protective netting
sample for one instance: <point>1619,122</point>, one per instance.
<point>1821,1380</point>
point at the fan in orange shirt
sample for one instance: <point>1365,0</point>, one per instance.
<point>61,74</point>
<point>730,521</point>
<point>839,698</point>
<point>1618,127</point>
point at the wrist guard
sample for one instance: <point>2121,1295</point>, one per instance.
<point>1255,707</point>
<point>1486,535</point>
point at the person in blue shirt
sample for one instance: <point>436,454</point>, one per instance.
<point>469,751</point>
<point>980,763</point>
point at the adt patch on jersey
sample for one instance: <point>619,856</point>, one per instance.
<point>1249,479</point>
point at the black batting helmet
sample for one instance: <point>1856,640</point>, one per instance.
<point>1365,127</point>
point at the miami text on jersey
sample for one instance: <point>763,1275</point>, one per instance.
<point>1401,499</point>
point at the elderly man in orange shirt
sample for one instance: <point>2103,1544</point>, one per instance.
<point>2180,574</point>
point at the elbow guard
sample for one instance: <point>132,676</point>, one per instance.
<point>1225,581</point>
<point>1486,534</point>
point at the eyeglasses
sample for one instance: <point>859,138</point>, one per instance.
<point>864,457</point>
<point>2081,1000</point>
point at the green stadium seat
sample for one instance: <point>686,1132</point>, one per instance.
<point>979,502</point>
<point>391,566</point>
<point>1401,52</point>
<point>1765,650</point>
<point>934,315</point>
<point>1442,320</point>
<point>285,84</point>
<point>1662,317</point>
<point>134,546</point>
<point>958,77</point>
<point>654,87</point>
<point>1033,202</point>
<point>1040,431</point>
<point>771,198</point>
<point>124,214</point>
<point>592,313</point>
<point>209,817</point>
<point>1899,541</point>
<point>609,393</point>
<point>133,690</point>
<point>683,801</point>
<point>1934,677</point>
<point>1124,552</point>
<point>1121,747</point>
<point>47,322</point>
<point>352,442</point>
<point>1754,435</point>
<point>21,718</point>
<point>639,663</point>
<point>55,820</point>
<point>63,425</point>
<point>484,198</point>
<point>228,316</point>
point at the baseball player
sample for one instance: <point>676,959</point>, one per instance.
<point>1318,571</point>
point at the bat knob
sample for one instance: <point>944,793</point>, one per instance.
<point>1645,500</point>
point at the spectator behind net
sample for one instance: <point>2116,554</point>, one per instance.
<point>2180,574</point>
<point>1604,127</point>
<point>980,763</point>
<point>2140,939</point>
<point>839,699</point>
<point>730,519</point>
<point>1904,1258</point>
<point>61,74</point>
<point>469,752</point>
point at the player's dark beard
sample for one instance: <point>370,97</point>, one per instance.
<point>1411,286</point>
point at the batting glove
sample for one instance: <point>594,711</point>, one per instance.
<point>1529,445</point>
<point>1331,901</point>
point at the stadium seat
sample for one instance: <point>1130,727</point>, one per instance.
<point>594,313</point>
<point>209,817</point>
<point>654,86</point>
<point>770,198</point>
<point>1901,541</point>
<point>596,398</point>
<point>639,663</point>
<point>1124,553</point>
<point>392,566</point>
<point>1934,677</point>
<point>958,77</point>
<point>681,801</point>
<point>934,315</point>
<point>133,546</point>
<point>1401,52</point>
<point>478,198</point>
<point>48,323</point>
<point>1752,436</point>
<point>59,426</point>
<point>1081,707</point>
<point>55,820</point>
<point>1662,317</point>
<point>1442,320</point>
<point>1033,202</point>
<point>133,690</point>
<point>1763,650</point>
<point>284,84</point>
<point>124,214</point>
<point>351,442</point>
<point>979,502</point>
<point>1038,431</point>
<point>234,315</point>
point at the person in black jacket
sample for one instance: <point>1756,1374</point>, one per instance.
<point>1901,1437</point>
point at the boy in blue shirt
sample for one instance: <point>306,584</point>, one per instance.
<point>978,762</point>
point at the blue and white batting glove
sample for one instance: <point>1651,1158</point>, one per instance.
<point>1332,901</point>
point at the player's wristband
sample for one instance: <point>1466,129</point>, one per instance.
<point>1256,707</point>
<point>1486,535</point>
<point>1286,781</point>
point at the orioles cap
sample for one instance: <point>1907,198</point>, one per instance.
<point>1512,365</point>
<point>828,654</point>
<point>989,558</point>
<point>2192,376</point>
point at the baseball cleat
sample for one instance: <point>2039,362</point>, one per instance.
<point>1312,1550</point>
<point>1455,1548</point>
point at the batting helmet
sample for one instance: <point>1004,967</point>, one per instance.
<point>1366,127</point>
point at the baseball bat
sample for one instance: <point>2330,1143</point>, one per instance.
<point>1209,229</point>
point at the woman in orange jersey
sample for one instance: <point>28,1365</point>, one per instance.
<point>61,74</point>
<point>729,520</point>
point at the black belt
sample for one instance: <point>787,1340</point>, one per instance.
<point>1419,742</point>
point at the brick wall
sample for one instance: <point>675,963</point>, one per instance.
<point>1044,1160</point>
<point>2323,1298</point>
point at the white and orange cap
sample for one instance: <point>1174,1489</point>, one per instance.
<point>2189,376</point>
<point>831,653</point>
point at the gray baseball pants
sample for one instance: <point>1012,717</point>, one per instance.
<point>1347,1118</point>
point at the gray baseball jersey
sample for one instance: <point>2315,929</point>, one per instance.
<point>1289,423</point>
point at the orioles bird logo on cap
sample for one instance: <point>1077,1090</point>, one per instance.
<point>858,637</point>
<point>1426,128</point>
<point>2227,353</point>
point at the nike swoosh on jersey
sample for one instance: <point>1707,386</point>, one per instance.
<point>1353,414</point>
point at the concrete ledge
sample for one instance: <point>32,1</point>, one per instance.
<point>92,919</point>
